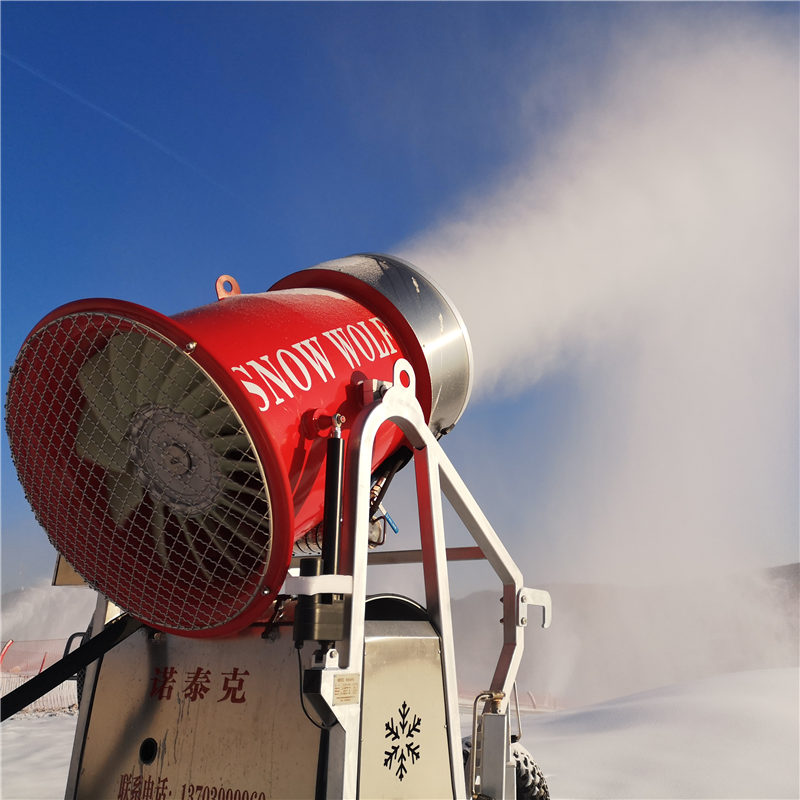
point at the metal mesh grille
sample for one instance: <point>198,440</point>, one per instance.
<point>140,470</point>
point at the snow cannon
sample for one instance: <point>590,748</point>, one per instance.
<point>174,461</point>
<point>219,477</point>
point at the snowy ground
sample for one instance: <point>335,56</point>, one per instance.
<point>36,750</point>
<point>731,736</point>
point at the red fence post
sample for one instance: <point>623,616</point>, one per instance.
<point>5,650</point>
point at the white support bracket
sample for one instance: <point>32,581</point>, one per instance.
<point>435,476</point>
<point>317,584</point>
<point>534,597</point>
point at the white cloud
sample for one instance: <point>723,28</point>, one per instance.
<point>651,248</point>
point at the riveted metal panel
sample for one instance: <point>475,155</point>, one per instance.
<point>404,750</point>
<point>186,719</point>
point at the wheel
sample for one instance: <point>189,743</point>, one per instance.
<point>466,752</point>
<point>531,784</point>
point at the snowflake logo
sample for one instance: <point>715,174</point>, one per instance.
<point>403,749</point>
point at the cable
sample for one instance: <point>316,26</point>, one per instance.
<point>389,469</point>
<point>303,701</point>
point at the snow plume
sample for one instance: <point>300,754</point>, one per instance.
<point>643,260</point>
<point>46,612</point>
<point>649,250</point>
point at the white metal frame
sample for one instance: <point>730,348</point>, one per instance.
<point>435,474</point>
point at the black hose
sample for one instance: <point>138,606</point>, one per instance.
<point>115,632</point>
<point>385,472</point>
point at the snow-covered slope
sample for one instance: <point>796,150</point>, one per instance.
<point>36,751</point>
<point>724,728</point>
<point>730,736</point>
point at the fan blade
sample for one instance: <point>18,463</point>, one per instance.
<point>93,443</point>
<point>124,496</point>
<point>189,539</point>
<point>201,400</point>
<point>98,388</point>
<point>156,530</point>
<point>229,465</point>
<point>222,547</point>
<point>215,422</point>
<point>155,357</point>
<point>236,441</point>
<point>245,513</point>
<point>124,351</point>
<point>236,488</point>
<point>179,379</point>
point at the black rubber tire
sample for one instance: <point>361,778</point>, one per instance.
<point>531,784</point>
<point>466,749</point>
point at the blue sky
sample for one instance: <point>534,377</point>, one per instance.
<point>149,147</point>
<point>293,130</point>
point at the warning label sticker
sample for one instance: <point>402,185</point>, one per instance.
<point>345,688</point>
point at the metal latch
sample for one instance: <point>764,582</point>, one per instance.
<point>534,597</point>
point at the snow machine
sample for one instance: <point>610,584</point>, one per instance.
<point>219,478</point>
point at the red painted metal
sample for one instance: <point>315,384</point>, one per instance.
<point>288,371</point>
